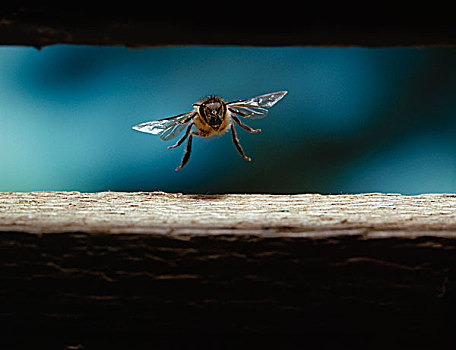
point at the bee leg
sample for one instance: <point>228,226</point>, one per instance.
<point>236,143</point>
<point>245,127</point>
<point>182,139</point>
<point>188,150</point>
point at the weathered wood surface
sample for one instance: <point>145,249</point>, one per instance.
<point>145,24</point>
<point>91,265</point>
<point>306,215</point>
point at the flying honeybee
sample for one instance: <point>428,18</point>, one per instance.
<point>211,116</point>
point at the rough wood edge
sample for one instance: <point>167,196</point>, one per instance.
<point>372,215</point>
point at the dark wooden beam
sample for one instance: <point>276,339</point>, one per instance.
<point>145,24</point>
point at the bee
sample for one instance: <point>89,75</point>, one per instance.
<point>211,116</point>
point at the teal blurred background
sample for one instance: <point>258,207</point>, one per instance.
<point>354,120</point>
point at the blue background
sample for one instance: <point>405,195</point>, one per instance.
<point>354,120</point>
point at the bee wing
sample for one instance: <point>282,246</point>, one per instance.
<point>258,106</point>
<point>167,128</point>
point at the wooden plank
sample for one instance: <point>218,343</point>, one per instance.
<point>143,24</point>
<point>302,215</point>
<point>91,266</point>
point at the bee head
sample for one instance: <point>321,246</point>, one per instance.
<point>213,111</point>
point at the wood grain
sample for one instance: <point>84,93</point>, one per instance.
<point>306,215</point>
